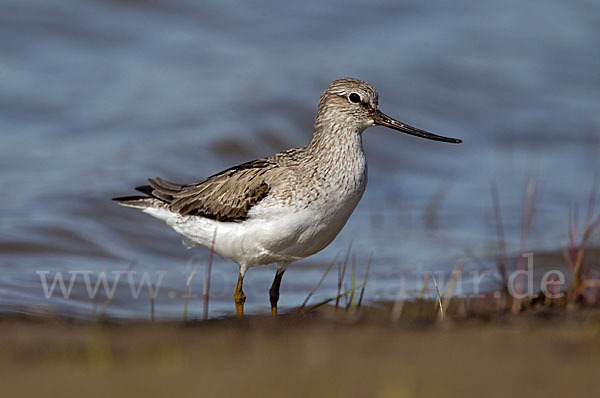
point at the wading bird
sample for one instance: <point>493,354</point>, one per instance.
<point>284,207</point>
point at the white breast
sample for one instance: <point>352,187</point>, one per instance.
<point>284,231</point>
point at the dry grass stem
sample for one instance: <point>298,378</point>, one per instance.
<point>439,298</point>
<point>396,312</point>
<point>188,284</point>
<point>528,207</point>
<point>452,285</point>
<point>500,236</point>
<point>341,273</point>
<point>318,285</point>
<point>362,291</point>
<point>336,298</point>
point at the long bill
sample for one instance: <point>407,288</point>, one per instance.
<point>382,119</point>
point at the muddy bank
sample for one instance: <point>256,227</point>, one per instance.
<point>321,354</point>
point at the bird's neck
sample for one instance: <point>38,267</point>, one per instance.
<point>338,157</point>
<point>335,142</point>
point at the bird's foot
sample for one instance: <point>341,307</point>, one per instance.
<point>240,298</point>
<point>274,297</point>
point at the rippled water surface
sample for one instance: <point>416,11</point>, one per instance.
<point>96,96</point>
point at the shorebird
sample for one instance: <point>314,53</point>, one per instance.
<point>284,207</point>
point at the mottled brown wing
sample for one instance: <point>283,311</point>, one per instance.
<point>226,196</point>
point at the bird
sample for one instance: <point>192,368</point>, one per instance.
<point>285,207</point>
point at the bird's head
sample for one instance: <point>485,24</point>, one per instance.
<point>351,106</point>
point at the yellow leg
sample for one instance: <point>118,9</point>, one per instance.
<point>274,290</point>
<point>239,297</point>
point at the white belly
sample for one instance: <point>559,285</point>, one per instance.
<point>291,235</point>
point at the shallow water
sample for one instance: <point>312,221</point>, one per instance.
<point>96,96</point>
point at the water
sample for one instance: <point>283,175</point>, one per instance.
<point>96,96</point>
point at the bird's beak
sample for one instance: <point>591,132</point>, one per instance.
<point>382,119</point>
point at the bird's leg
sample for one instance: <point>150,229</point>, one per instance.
<point>238,296</point>
<point>274,290</point>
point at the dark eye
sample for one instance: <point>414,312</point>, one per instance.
<point>354,98</point>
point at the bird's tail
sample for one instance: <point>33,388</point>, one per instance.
<point>149,200</point>
<point>138,202</point>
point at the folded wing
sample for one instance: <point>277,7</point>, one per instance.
<point>226,196</point>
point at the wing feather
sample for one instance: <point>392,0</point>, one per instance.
<point>226,196</point>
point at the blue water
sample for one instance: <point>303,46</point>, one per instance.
<point>96,96</point>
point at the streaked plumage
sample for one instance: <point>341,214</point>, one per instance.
<point>284,207</point>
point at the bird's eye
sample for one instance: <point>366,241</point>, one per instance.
<point>354,98</point>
